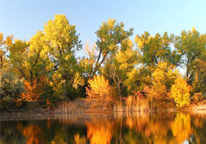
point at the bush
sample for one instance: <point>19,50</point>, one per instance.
<point>11,88</point>
<point>30,93</point>
<point>99,89</point>
<point>180,91</point>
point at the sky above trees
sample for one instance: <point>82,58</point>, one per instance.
<point>23,18</point>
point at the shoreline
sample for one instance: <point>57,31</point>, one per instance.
<point>44,114</point>
<point>82,108</point>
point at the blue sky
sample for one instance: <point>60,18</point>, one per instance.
<point>23,18</point>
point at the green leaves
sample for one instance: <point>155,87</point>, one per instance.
<point>50,54</point>
<point>60,43</point>
<point>191,46</point>
<point>109,36</point>
<point>154,48</point>
<point>10,90</point>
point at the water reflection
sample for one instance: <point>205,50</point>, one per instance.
<point>149,128</point>
<point>99,131</point>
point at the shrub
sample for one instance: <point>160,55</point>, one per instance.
<point>30,91</point>
<point>180,91</point>
<point>99,89</point>
<point>10,90</point>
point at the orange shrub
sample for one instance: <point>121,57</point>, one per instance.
<point>99,89</point>
<point>30,93</point>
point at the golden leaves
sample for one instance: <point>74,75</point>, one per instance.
<point>99,89</point>
<point>180,91</point>
<point>78,80</point>
<point>80,140</point>
<point>99,132</point>
<point>162,78</point>
<point>181,127</point>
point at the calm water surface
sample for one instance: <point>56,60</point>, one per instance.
<point>166,128</point>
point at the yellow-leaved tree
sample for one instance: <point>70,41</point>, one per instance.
<point>162,79</point>
<point>5,44</point>
<point>99,89</point>
<point>180,91</point>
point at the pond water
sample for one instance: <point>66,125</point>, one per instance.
<point>149,128</point>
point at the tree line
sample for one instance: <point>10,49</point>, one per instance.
<point>46,68</point>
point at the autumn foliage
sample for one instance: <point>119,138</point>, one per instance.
<point>99,89</point>
<point>30,93</point>
<point>99,132</point>
<point>51,71</point>
<point>162,79</point>
<point>180,91</point>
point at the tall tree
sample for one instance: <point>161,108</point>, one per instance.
<point>192,46</point>
<point>156,48</point>
<point>5,44</point>
<point>61,43</point>
<point>118,65</point>
<point>19,58</point>
<point>26,57</point>
<point>162,79</point>
<point>109,36</point>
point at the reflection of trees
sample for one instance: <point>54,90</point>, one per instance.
<point>40,132</point>
<point>141,128</point>
<point>9,133</point>
<point>181,127</point>
<point>146,129</point>
<point>198,128</point>
<point>65,131</point>
<point>31,132</point>
<point>139,122</point>
<point>165,128</point>
<point>99,131</point>
<point>80,140</point>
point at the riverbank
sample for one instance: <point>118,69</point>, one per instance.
<point>83,108</point>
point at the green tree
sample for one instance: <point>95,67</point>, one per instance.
<point>199,83</point>
<point>109,36</point>
<point>11,88</point>
<point>191,46</point>
<point>118,65</point>
<point>61,43</point>
<point>26,60</point>
<point>156,48</point>
<point>25,57</point>
<point>19,57</point>
<point>5,44</point>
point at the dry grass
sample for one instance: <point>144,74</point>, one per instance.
<point>132,104</point>
<point>82,106</point>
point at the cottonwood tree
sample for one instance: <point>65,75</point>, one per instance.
<point>156,48</point>
<point>161,81</point>
<point>118,65</point>
<point>61,43</point>
<point>191,45</point>
<point>109,36</point>
<point>5,44</point>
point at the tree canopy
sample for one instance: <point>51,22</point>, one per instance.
<point>46,69</point>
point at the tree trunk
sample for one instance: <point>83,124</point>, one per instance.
<point>1,61</point>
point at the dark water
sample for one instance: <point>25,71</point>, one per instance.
<point>165,128</point>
